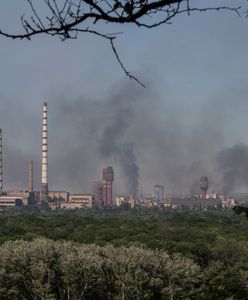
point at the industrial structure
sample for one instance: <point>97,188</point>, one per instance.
<point>108,178</point>
<point>102,191</point>
<point>44,162</point>
<point>126,201</point>
<point>204,186</point>
<point>97,192</point>
<point>158,192</point>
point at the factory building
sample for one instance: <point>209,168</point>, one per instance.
<point>97,192</point>
<point>158,192</point>
<point>103,190</point>
<point>8,201</point>
<point>78,201</point>
<point>120,200</point>
<point>58,196</point>
<point>23,195</point>
<point>124,200</point>
<point>108,178</point>
<point>204,186</point>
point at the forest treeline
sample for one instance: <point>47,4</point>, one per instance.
<point>46,269</point>
<point>179,256</point>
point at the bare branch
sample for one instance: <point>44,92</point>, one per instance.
<point>68,18</point>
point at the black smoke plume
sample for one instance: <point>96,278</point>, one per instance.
<point>233,164</point>
<point>113,144</point>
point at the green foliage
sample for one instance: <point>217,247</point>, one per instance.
<point>123,256</point>
<point>45,269</point>
<point>239,209</point>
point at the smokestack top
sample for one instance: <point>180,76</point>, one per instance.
<point>204,183</point>
<point>45,103</point>
<point>108,174</point>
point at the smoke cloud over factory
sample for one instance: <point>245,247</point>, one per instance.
<point>146,137</point>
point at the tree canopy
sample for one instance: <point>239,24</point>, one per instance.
<point>78,256</point>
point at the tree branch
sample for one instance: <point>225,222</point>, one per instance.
<point>67,18</point>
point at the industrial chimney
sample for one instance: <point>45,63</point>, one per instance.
<point>1,162</point>
<point>203,186</point>
<point>44,163</point>
<point>30,177</point>
<point>108,178</point>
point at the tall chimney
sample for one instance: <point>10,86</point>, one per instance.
<point>1,162</point>
<point>30,179</point>
<point>44,163</point>
<point>108,178</point>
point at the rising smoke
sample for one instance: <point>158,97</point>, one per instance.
<point>147,137</point>
<point>233,164</point>
<point>112,142</point>
<point>100,128</point>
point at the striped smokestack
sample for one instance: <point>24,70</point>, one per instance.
<point>44,163</point>
<point>30,179</point>
<point>1,162</point>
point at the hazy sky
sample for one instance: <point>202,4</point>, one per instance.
<point>193,108</point>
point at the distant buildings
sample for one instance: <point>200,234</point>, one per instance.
<point>107,182</point>
<point>124,201</point>
<point>103,190</point>
<point>158,192</point>
<point>97,192</point>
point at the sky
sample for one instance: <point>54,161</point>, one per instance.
<point>189,121</point>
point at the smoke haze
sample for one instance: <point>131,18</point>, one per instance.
<point>144,135</point>
<point>233,164</point>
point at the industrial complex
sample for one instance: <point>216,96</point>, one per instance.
<point>102,195</point>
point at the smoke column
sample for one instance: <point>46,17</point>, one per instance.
<point>233,164</point>
<point>145,135</point>
<point>112,144</point>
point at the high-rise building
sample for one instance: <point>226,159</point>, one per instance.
<point>204,186</point>
<point>97,192</point>
<point>44,163</point>
<point>108,178</point>
<point>158,192</point>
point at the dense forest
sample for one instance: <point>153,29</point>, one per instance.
<point>116,255</point>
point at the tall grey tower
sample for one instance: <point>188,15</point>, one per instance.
<point>44,163</point>
<point>1,162</point>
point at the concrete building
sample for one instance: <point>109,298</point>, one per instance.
<point>212,196</point>
<point>108,178</point>
<point>23,195</point>
<point>158,192</point>
<point>124,200</point>
<point>97,192</point>
<point>58,195</point>
<point>8,201</point>
<point>203,186</point>
<point>120,200</point>
<point>81,200</point>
